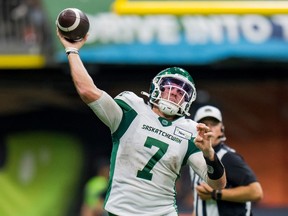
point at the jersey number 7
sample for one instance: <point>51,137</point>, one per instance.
<point>145,172</point>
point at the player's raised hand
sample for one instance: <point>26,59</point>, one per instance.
<point>68,44</point>
<point>203,141</point>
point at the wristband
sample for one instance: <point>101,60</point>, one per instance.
<point>215,168</point>
<point>216,194</point>
<point>69,50</point>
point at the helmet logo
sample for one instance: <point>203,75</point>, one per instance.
<point>155,93</point>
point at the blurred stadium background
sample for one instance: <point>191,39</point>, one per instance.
<point>50,141</point>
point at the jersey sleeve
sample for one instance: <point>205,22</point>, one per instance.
<point>194,156</point>
<point>108,111</point>
<point>238,172</point>
<point>197,162</point>
<point>128,100</point>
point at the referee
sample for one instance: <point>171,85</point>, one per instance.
<point>242,186</point>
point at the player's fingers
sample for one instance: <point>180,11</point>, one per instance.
<point>198,139</point>
<point>57,33</point>
<point>86,37</point>
<point>209,134</point>
<point>202,128</point>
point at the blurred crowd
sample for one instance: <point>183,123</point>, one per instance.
<point>24,27</point>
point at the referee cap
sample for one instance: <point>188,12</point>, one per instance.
<point>208,111</point>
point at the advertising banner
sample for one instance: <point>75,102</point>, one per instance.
<point>202,34</point>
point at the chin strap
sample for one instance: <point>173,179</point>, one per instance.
<point>148,95</point>
<point>168,108</point>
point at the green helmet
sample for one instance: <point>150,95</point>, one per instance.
<point>179,78</point>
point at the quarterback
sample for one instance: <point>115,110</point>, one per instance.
<point>151,141</point>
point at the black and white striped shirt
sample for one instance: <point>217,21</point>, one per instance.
<point>238,173</point>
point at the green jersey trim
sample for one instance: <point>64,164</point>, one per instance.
<point>192,148</point>
<point>164,122</point>
<point>129,115</point>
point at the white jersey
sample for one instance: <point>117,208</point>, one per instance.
<point>148,153</point>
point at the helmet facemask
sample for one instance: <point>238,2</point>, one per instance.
<point>169,83</point>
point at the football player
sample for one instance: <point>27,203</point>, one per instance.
<point>151,142</point>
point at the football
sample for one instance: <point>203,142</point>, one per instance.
<point>73,24</point>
